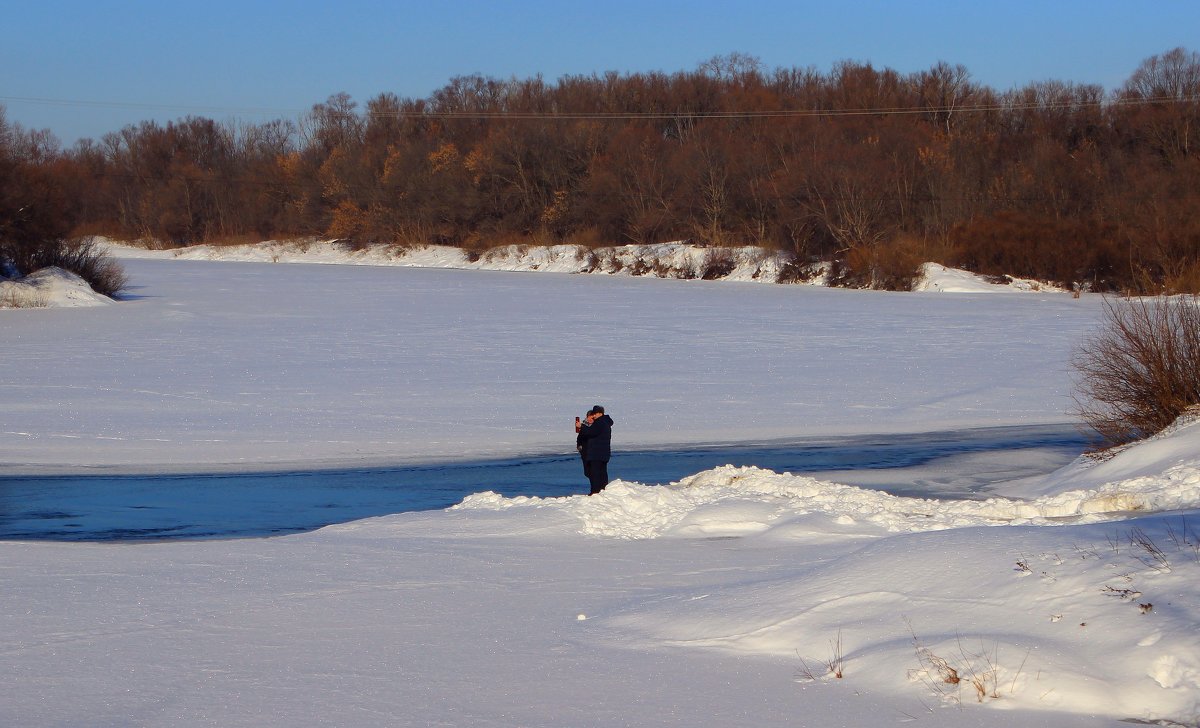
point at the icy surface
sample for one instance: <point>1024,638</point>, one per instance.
<point>232,363</point>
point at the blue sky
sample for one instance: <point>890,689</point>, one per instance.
<point>117,63</point>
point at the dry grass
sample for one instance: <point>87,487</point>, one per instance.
<point>834,665</point>
<point>19,296</point>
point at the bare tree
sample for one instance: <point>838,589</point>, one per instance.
<point>944,90</point>
<point>1166,92</point>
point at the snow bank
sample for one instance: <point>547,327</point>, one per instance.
<point>49,288</point>
<point>937,278</point>
<point>734,501</point>
<point>665,260</point>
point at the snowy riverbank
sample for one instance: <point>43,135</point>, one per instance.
<point>679,261</point>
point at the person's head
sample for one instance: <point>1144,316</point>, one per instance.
<point>597,410</point>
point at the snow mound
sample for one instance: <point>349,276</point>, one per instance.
<point>940,279</point>
<point>1169,455</point>
<point>1159,475</point>
<point>50,288</point>
<point>738,501</point>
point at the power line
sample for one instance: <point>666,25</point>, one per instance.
<point>145,106</point>
<point>503,114</point>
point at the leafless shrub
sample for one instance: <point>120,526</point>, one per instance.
<point>589,263</point>
<point>983,667</point>
<point>89,261</point>
<point>614,263</point>
<point>833,665</point>
<point>84,257</point>
<point>1126,595</point>
<point>835,661</point>
<point>979,668</point>
<point>718,263</point>
<point>1114,543</point>
<point>1148,552</point>
<point>685,271</point>
<point>1142,370</point>
<point>797,271</point>
<point>935,671</point>
<point>893,266</point>
<point>1184,539</point>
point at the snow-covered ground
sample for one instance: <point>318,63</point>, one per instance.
<point>1065,600</point>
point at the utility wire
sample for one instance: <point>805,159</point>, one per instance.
<point>551,115</point>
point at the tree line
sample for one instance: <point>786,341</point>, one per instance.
<point>874,170</point>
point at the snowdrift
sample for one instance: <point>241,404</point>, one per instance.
<point>49,288</point>
<point>937,278</point>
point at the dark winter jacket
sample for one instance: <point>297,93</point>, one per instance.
<point>596,439</point>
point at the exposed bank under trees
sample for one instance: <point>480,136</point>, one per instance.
<point>875,170</point>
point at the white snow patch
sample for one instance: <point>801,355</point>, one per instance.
<point>49,288</point>
<point>938,278</point>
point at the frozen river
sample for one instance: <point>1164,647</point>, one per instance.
<point>118,507</point>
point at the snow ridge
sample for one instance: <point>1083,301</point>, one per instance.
<point>730,501</point>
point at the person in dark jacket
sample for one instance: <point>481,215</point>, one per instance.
<point>595,447</point>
